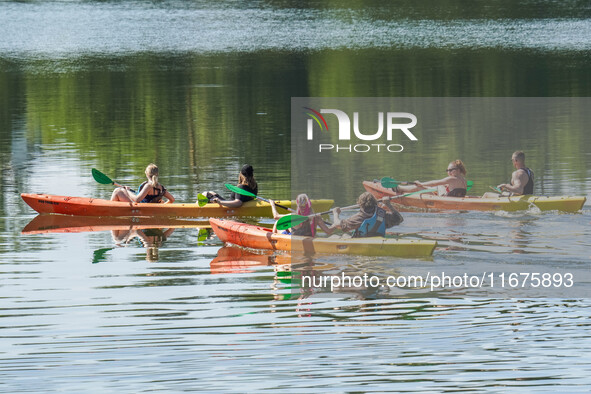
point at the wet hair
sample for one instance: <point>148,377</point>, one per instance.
<point>246,177</point>
<point>460,166</point>
<point>152,174</point>
<point>367,202</point>
<point>519,156</point>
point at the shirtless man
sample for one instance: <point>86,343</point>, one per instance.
<point>522,179</point>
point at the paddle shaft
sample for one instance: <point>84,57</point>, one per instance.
<point>293,220</point>
<point>391,183</point>
<point>277,205</point>
<point>120,185</point>
<point>243,192</point>
<point>391,198</point>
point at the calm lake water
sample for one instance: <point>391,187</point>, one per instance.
<point>202,88</point>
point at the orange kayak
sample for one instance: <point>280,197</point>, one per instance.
<point>474,203</point>
<point>256,237</point>
<point>85,206</point>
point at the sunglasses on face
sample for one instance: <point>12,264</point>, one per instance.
<point>451,169</point>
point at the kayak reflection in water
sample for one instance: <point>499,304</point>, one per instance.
<point>371,220</point>
<point>454,185</point>
<point>151,239</point>
<point>246,182</point>
<point>304,208</point>
<point>150,191</point>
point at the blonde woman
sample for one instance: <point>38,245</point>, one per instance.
<point>149,192</point>
<point>454,185</point>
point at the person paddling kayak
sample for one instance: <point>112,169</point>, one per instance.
<point>149,192</point>
<point>522,179</point>
<point>371,220</point>
<point>304,208</point>
<point>246,182</point>
<point>454,185</point>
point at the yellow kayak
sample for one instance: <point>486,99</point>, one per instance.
<point>473,203</point>
<point>256,237</point>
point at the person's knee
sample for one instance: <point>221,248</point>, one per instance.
<point>118,194</point>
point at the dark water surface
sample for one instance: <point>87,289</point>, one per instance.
<point>201,89</point>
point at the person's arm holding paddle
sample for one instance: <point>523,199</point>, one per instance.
<point>169,197</point>
<point>334,226</point>
<point>393,217</point>
<point>437,182</point>
<point>235,203</point>
<point>453,185</point>
<point>150,191</point>
<point>246,182</point>
<point>518,181</point>
<point>522,179</point>
<point>276,215</point>
<point>307,227</point>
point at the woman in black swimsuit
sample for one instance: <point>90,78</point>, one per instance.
<point>150,191</point>
<point>454,185</point>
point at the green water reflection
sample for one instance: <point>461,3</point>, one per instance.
<point>201,116</point>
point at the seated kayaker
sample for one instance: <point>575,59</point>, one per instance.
<point>304,208</point>
<point>522,179</point>
<point>454,185</point>
<point>246,182</point>
<point>371,220</point>
<point>149,192</point>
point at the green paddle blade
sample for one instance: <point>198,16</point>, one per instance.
<point>389,182</point>
<point>202,200</point>
<point>469,185</point>
<point>100,177</point>
<point>238,190</point>
<point>289,221</point>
